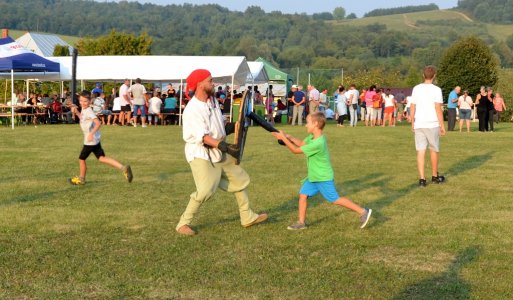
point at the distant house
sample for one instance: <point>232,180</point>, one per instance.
<point>41,44</point>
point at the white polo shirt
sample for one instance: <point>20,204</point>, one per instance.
<point>200,119</point>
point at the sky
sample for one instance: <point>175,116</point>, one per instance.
<point>359,7</point>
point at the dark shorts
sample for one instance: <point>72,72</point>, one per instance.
<point>96,149</point>
<point>126,108</point>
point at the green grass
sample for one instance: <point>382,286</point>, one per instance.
<point>110,239</point>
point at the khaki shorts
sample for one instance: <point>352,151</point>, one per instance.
<point>427,136</point>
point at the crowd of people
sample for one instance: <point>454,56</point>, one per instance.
<point>133,105</point>
<point>380,107</point>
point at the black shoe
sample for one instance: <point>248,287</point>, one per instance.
<point>422,183</point>
<point>438,179</point>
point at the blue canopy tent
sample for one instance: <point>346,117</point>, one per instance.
<point>15,58</point>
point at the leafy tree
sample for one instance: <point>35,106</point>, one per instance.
<point>468,63</point>
<point>351,16</point>
<point>325,16</point>
<point>61,50</point>
<point>116,43</point>
<point>339,13</point>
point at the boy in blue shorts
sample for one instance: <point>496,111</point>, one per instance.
<point>320,173</point>
<point>90,125</point>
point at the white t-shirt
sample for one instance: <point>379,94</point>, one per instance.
<point>355,95</point>
<point>98,105</point>
<point>200,119</point>
<point>123,90</point>
<point>408,102</point>
<point>116,104</point>
<point>87,117</point>
<point>314,95</point>
<point>389,100</point>
<point>138,90</point>
<point>154,105</point>
<point>424,96</point>
<point>465,102</point>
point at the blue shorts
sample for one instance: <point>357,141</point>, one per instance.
<point>139,107</point>
<point>326,188</point>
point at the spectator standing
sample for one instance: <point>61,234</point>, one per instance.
<point>323,100</point>
<point>452,104</point>
<point>482,109</point>
<point>500,106</point>
<point>290,102</point>
<point>126,102</point>
<point>399,102</point>
<point>427,123</point>
<point>313,99</point>
<point>341,102</point>
<point>369,96</point>
<point>389,108</point>
<point>465,109</point>
<point>299,100</point>
<point>352,99</point>
<point>138,90</point>
<point>363,105</point>
<point>491,108</point>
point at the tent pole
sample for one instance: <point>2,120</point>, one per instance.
<point>231,99</point>
<point>12,98</point>
<point>180,109</point>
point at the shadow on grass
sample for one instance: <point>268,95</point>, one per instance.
<point>31,197</point>
<point>448,285</point>
<point>390,196</point>
<point>470,163</point>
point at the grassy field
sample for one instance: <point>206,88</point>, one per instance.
<point>408,22</point>
<point>110,239</point>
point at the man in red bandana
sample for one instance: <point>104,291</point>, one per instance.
<point>211,159</point>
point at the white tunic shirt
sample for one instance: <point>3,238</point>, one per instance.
<point>200,119</point>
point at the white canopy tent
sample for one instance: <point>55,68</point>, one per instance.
<point>258,73</point>
<point>224,69</point>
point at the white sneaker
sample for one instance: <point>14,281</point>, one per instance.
<point>144,125</point>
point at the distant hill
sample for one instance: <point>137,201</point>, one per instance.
<point>431,20</point>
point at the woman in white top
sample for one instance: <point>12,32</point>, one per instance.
<point>341,102</point>
<point>389,107</point>
<point>465,104</point>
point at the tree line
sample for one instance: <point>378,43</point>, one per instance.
<point>288,40</point>
<point>489,11</point>
<point>401,10</point>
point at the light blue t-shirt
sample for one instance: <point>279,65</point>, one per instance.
<point>452,96</point>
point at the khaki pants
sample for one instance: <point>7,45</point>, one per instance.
<point>226,175</point>
<point>313,107</point>
<point>297,113</point>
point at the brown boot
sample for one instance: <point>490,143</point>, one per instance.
<point>186,230</point>
<point>261,218</point>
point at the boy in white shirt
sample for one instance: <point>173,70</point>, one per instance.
<point>90,126</point>
<point>427,123</point>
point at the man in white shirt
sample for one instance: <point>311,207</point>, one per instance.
<point>352,96</point>
<point>427,123</point>
<point>313,99</point>
<point>126,102</point>
<point>209,156</point>
<point>139,102</point>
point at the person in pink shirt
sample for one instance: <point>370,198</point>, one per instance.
<point>369,95</point>
<point>500,107</point>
